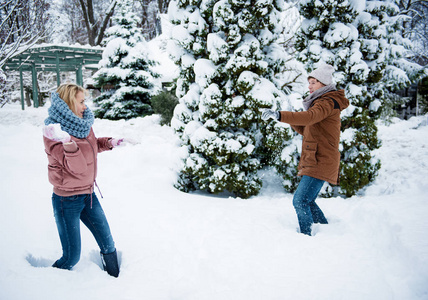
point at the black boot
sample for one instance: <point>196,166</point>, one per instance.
<point>110,263</point>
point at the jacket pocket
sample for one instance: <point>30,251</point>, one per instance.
<point>309,151</point>
<point>55,175</point>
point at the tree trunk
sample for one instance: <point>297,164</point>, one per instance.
<point>93,28</point>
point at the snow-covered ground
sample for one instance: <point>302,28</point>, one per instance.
<point>174,245</point>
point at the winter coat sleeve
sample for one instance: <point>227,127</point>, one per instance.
<point>321,110</point>
<point>298,129</point>
<point>73,161</point>
<point>104,144</point>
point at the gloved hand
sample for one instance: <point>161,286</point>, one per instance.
<point>270,113</point>
<point>116,142</point>
<point>122,142</point>
<point>54,133</point>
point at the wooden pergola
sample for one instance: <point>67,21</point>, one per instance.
<point>53,58</point>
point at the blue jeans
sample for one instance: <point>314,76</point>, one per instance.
<point>68,212</point>
<point>307,210</point>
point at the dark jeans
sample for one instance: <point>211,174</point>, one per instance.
<point>307,210</point>
<point>68,212</point>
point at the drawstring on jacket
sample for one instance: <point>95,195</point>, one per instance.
<point>98,189</point>
<point>95,166</point>
<point>101,194</point>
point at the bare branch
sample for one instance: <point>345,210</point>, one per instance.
<point>110,13</point>
<point>21,28</point>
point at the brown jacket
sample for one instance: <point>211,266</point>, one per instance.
<point>320,127</point>
<point>72,168</point>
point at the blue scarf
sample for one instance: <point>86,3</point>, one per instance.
<point>59,112</point>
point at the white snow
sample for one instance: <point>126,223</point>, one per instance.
<point>174,245</point>
<point>204,71</point>
<point>217,47</point>
<point>339,33</point>
<point>198,246</point>
<point>358,5</point>
<point>180,34</point>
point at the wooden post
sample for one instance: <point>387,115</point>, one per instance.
<point>27,98</point>
<point>58,75</point>
<point>21,81</point>
<point>79,75</point>
<point>34,82</point>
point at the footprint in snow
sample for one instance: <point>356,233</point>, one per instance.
<point>39,262</point>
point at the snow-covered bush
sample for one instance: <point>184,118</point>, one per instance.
<point>3,98</point>
<point>423,99</point>
<point>400,71</point>
<point>163,104</point>
<point>232,67</point>
<point>126,75</point>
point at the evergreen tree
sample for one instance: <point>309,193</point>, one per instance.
<point>423,91</point>
<point>400,71</point>
<point>388,54</point>
<point>126,68</point>
<point>3,96</point>
<point>329,35</point>
<point>232,67</point>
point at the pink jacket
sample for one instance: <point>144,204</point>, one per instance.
<point>72,168</point>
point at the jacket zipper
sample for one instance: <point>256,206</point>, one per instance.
<point>95,170</point>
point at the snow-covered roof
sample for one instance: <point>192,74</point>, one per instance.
<point>54,57</point>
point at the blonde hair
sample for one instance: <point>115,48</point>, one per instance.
<point>68,92</point>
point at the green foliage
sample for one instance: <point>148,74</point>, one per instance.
<point>354,177</point>
<point>358,167</point>
<point>126,76</point>
<point>287,165</point>
<point>131,106</point>
<point>164,104</point>
<point>423,91</point>
<point>3,98</point>
<point>233,50</point>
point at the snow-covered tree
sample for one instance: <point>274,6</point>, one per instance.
<point>415,27</point>
<point>3,98</point>
<point>22,24</point>
<point>150,17</point>
<point>423,91</point>
<point>232,67</point>
<point>329,35</point>
<point>400,71</point>
<point>126,68</point>
<point>389,53</point>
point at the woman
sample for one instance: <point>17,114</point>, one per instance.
<point>320,158</point>
<point>72,149</point>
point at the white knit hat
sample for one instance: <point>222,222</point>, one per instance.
<point>323,74</point>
